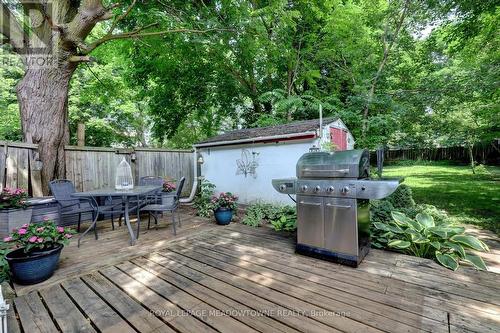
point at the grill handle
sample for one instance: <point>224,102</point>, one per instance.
<point>338,206</point>
<point>313,172</point>
<point>310,203</point>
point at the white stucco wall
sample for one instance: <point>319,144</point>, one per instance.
<point>275,160</point>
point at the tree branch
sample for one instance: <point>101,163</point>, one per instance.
<point>90,12</point>
<point>121,17</point>
<point>79,59</point>
<point>136,34</point>
<point>387,49</point>
<point>11,29</point>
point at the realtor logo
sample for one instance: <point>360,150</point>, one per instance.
<point>27,26</point>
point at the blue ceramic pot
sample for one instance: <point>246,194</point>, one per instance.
<point>223,216</point>
<point>34,267</point>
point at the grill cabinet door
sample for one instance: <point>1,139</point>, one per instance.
<point>310,221</point>
<point>341,232</point>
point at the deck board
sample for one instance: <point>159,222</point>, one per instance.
<point>241,279</point>
<point>322,287</point>
<point>64,312</point>
<point>431,308</point>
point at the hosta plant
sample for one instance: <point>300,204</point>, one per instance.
<point>423,237</point>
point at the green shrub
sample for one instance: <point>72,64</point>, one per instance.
<point>202,202</point>
<point>254,215</point>
<point>402,197</point>
<point>257,212</point>
<point>280,217</point>
<point>380,210</point>
<point>438,215</point>
<point>444,242</point>
<point>481,170</point>
<point>402,201</point>
<point>286,219</point>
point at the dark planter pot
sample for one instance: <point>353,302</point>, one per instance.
<point>33,267</point>
<point>167,198</point>
<point>223,216</point>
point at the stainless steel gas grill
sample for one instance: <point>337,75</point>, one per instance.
<point>333,192</point>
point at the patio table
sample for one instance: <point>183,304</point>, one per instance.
<point>137,192</point>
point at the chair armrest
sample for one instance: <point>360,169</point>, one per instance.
<point>90,201</point>
<point>60,202</point>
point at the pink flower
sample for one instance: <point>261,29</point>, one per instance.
<point>24,225</point>
<point>45,218</point>
<point>32,239</point>
<point>68,236</point>
<point>21,231</point>
<point>40,240</point>
<point>40,229</point>
<point>7,239</point>
<point>60,230</point>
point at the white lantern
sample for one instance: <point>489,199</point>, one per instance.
<point>124,179</point>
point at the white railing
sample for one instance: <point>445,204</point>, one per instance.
<point>4,307</point>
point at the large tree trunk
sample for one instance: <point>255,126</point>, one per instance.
<point>43,102</point>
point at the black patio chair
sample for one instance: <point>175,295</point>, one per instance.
<point>62,189</point>
<point>138,203</point>
<point>151,181</point>
<point>154,209</point>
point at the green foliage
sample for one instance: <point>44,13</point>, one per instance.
<point>4,265</point>
<point>202,202</point>
<point>402,201</point>
<point>256,213</point>
<point>423,237</point>
<point>280,217</point>
<point>111,107</point>
<point>40,236</point>
<point>402,197</point>
<point>11,71</point>
<point>276,61</point>
<point>286,220</point>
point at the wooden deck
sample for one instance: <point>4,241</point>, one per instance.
<point>240,279</point>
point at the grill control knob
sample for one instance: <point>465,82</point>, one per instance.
<point>303,188</point>
<point>344,190</point>
<point>282,187</point>
<point>317,188</point>
<point>330,189</point>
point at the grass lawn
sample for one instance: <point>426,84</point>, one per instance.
<point>468,198</point>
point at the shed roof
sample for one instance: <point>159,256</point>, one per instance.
<point>296,127</point>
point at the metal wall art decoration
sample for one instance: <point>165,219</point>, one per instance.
<point>248,163</point>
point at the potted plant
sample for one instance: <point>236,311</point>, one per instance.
<point>14,210</point>
<point>168,192</point>
<point>223,205</point>
<point>39,246</point>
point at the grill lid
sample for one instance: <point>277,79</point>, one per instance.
<point>342,164</point>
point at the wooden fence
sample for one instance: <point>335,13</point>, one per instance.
<point>485,154</point>
<point>92,167</point>
<point>20,167</point>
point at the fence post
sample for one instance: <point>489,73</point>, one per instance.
<point>80,135</point>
